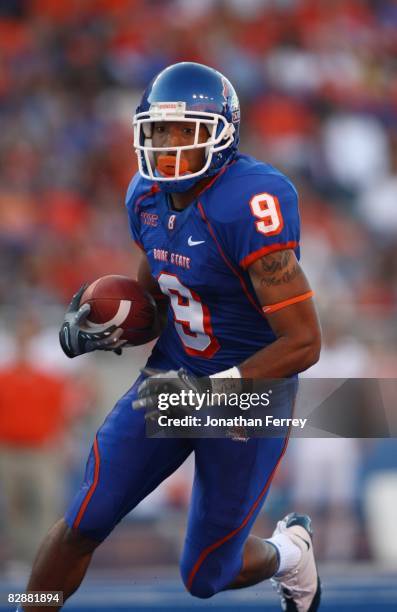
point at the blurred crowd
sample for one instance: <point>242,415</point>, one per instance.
<point>318,89</point>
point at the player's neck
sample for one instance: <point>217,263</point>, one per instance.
<point>184,199</point>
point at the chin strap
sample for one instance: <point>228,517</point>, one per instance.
<point>176,186</point>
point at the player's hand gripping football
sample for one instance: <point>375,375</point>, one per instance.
<point>76,340</point>
<point>172,381</point>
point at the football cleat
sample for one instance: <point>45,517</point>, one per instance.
<point>299,588</point>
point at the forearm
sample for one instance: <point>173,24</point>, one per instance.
<point>281,359</point>
<point>162,316</point>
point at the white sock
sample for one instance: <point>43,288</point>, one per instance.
<point>289,554</point>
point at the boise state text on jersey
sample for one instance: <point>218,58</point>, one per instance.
<point>200,256</point>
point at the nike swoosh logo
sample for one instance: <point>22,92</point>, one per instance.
<point>303,540</point>
<point>192,242</point>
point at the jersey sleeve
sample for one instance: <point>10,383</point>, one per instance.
<point>133,193</point>
<point>263,218</point>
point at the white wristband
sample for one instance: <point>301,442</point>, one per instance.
<point>231,385</point>
<point>233,372</point>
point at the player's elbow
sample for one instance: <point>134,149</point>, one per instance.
<point>310,349</point>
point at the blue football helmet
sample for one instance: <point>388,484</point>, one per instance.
<point>188,92</point>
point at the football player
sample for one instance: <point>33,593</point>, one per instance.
<point>219,238</point>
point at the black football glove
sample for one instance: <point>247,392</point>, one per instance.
<point>76,340</point>
<point>172,381</point>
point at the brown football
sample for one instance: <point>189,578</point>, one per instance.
<point>121,301</point>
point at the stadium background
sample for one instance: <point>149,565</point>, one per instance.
<point>318,89</point>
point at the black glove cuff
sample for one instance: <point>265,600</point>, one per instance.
<point>64,340</point>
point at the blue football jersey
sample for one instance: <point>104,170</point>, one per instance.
<point>201,255</point>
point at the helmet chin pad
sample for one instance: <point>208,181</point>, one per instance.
<point>166,165</point>
<point>175,186</point>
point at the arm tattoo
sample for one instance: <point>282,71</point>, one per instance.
<point>277,269</point>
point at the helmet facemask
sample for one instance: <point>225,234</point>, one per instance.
<point>221,136</point>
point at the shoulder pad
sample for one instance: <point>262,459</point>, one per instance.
<point>137,190</point>
<point>229,200</point>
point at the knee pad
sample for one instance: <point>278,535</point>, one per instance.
<point>202,585</point>
<point>214,574</point>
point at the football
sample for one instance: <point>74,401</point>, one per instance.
<point>121,301</point>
